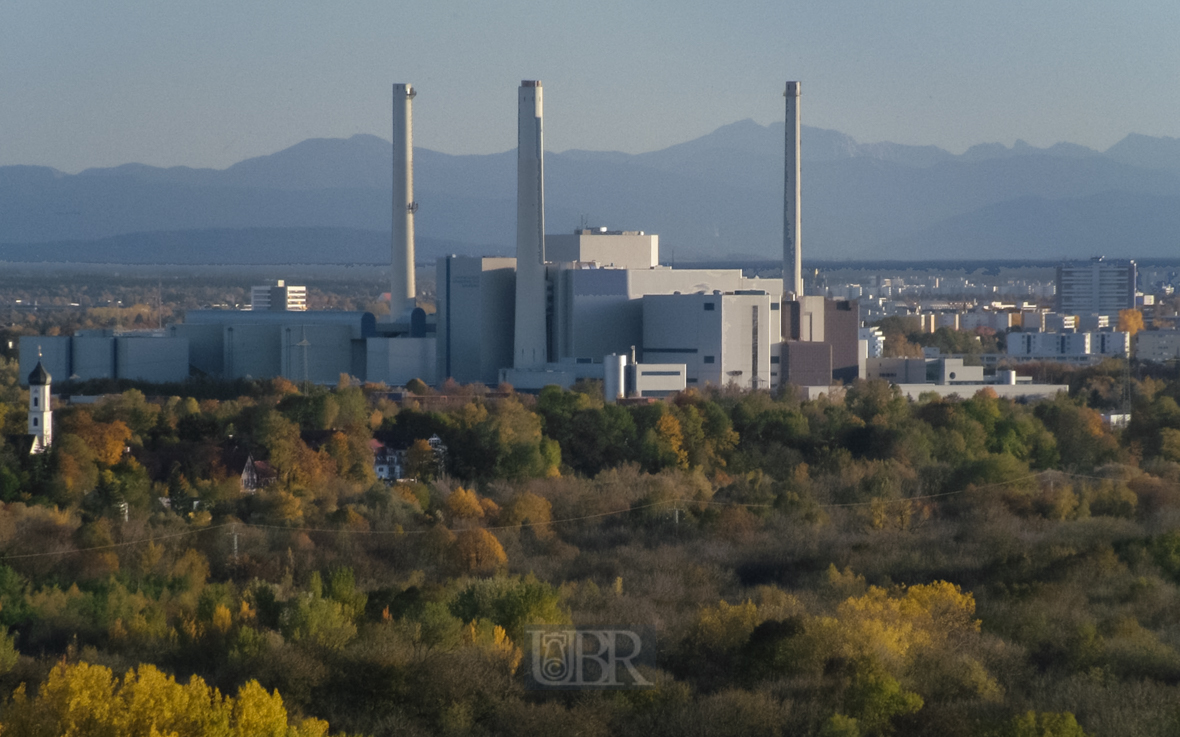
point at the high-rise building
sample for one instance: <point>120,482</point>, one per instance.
<point>1096,287</point>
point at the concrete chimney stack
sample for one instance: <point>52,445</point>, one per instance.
<point>402,292</point>
<point>531,341</point>
<point>792,241</point>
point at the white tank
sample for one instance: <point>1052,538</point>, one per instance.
<point>614,367</point>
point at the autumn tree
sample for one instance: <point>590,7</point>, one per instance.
<point>1130,321</point>
<point>478,551</point>
<point>422,461</point>
<point>85,699</point>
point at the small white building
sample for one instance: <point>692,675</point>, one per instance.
<point>278,297</point>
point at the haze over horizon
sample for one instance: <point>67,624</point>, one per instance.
<point>212,84</point>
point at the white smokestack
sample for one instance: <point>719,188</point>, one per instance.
<point>531,343</point>
<point>402,292</point>
<point>792,241</point>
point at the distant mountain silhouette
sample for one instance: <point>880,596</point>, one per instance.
<point>238,246</point>
<point>710,198</point>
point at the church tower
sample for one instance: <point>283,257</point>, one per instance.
<point>40,412</point>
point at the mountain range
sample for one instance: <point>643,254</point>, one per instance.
<point>715,197</point>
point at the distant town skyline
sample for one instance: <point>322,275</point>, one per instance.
<point>206,85</point>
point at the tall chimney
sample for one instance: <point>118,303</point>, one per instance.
<point>401,289</point>
<point>792,242</point>
<point>531,342</point>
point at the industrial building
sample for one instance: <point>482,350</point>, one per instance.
<point>1055,346</point>
<point>578,298</point>
<point>149,355</point>
<point>566,307</point>
<point>948,377</point>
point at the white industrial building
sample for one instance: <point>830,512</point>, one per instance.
<point>1056,346</point>
<point>948,377</point>
<point>577,298</point>
<point>721,338</point>
<point>624,249</point>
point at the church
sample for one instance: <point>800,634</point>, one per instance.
<point>40,435</point>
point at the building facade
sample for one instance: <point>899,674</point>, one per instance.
<point>1096,287</point>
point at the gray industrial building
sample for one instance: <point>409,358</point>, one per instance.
<point>474,318</point>
<point>108,354</point>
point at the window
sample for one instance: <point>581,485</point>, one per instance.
<point>774,306</point>
<point>710,306</point>
<point>659,373</point>
<point>34,422</point>
<point>774,359</point>
<point>708,359</point>
<point>690,381</point>
<point>34,400</point>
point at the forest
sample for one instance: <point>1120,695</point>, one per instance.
<point>854,565</point>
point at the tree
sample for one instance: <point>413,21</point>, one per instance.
<point>421,461</point>
<point>478,551</point>
<point>511,603</point>
<point>527,508</point>
<point>1130,321</point>
<point>464,504</point>
<point>85,699</point>
<point>663,445</point>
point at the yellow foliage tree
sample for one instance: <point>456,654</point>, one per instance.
<point>527,508</point>
<point>464,504</point>
<point>478,551</point>
<point>85,699</point>
<point>670,440</point>
<point>726,626</point>
<point>1130,321</point>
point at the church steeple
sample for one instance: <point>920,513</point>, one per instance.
<point>40,410</point>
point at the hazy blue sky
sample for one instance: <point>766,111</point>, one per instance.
<point>86,83</point>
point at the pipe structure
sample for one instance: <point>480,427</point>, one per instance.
<point>530,348</point>
<point>402,290</point>
<point>792,240</point>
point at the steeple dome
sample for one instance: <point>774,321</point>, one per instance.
<point>39,377</point>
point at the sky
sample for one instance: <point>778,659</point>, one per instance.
<point>206,84</point>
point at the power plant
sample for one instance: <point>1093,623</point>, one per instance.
<point>594,304</point>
